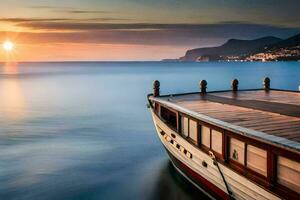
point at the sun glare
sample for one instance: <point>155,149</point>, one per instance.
<point>8,46</point>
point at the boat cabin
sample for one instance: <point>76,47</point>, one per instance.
<point>256,133</point>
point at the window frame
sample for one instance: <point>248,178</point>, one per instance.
<point>242,168</point>
<point>197,132</point>
<point>276,152</point>
<point>188,138</point>
<point>246,158</point>
<point>205,148</point>
<point>170,110</point>
<point>244,152</point>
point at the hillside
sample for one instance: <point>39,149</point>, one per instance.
<point>290,42</point>
<point>285,50</point>
<point>232,47</point>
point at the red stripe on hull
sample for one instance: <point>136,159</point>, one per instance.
<point>199,180</point>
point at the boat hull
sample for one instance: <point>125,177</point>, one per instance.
<point>197,180</point>
<point>188,160</point>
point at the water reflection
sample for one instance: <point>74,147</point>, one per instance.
<point>171,185</point>
<point>12,99</point>
<point>10,68</point>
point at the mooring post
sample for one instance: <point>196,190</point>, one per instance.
<point>234,85</point>
<point>156,86</point>
<point>203,85</point>
<point>266,83</point>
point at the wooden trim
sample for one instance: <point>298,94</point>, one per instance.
<point>178,122</point>
<point>188,136</point>
<point>245,154</point>
<point>248,173</point>
<point>210,138</point>
<point>287,154</point>
<point>157,108</point>
<point>190,140</point>
<point>199,133</point>
<point>271,165</point>
<point>285,192</point>
<point>224,146</point>
<point>247,140</point>
<point>210,126</point>
<point>204,148</point>
<point>218,155</point>
<point>180,125</point>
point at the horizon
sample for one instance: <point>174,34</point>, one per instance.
<point>136,31</point>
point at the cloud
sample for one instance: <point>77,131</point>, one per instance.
<point>24,20</point>
<point>32,21</point>
<point>220,29</point>
<point>86,11</point>
<point>195,35</point>
<point>70,10</point>
<point>49,7</point>
<point>202,36</point>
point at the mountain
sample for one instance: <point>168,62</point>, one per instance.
<point>285,50</point>
<point>231,48</point>
<point>290,42</point>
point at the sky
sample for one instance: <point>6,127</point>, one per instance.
<point>125,30</point>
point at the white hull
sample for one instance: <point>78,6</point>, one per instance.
<point>240,187</point>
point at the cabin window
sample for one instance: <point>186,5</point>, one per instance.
<point>212,139</point>
<point>189,129</point>
<point>216,141</point>
<point>257,159</point>
<point>237,150</point>
<point>185,126</point>
<point>205,136</point>
<point>156,108</point>
<point>169,117</point>
<point>193,131</point>
<point>288,173</point>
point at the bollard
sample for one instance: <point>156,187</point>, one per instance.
<point>203,84</point>
<point>156,86</point>
<point>234,85</point>
<point>266,83</point>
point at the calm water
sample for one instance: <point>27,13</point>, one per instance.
<point>83,131</point>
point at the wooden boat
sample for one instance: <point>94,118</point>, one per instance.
<point>235,144</point>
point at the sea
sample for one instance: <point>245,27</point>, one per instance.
<point>82,130</point>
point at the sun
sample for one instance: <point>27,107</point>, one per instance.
<point>8,46</point>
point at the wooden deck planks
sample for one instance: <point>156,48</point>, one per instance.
<point>274,112</point>
<point>271,96</point>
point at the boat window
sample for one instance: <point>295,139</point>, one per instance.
<point>288,173</point>
<point>169,117</point>
<point>216,141</point>
<point>257,159</point>
<point>237,150</point>
<point>205,136</point>
<point>185,126</point>
<point>193,131</point>
<point>156,108</point>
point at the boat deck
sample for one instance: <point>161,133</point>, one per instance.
<point>273,112</point>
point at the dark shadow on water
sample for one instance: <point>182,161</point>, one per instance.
<point>171,185</point>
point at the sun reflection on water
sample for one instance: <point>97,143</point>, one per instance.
<point>12,99</point>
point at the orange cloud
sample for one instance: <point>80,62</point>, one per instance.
<point>93,52</point>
